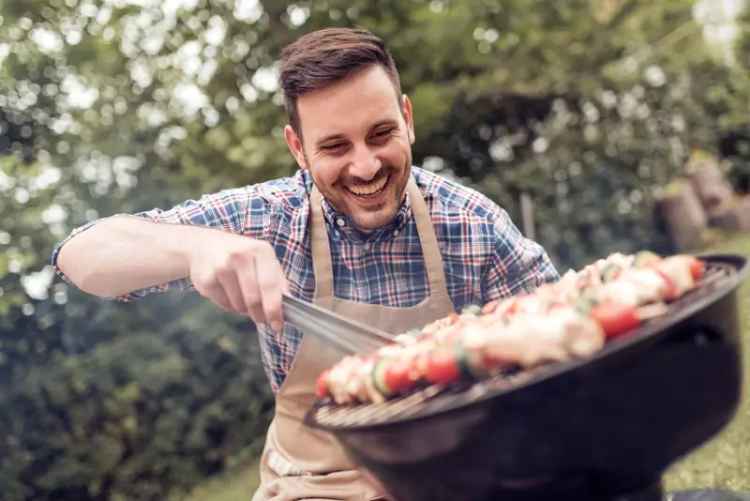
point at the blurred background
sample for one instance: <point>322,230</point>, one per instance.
<point>584,119</point>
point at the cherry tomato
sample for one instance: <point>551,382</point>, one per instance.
<point>670,289</point>
<point>321,386</point>
<point>615,318</point>
<point>398,376</point>
<point>442,367</point>
<point>697,269</point>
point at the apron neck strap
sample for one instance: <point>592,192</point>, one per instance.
<point>321,251</point>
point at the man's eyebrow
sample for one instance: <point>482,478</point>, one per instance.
<point>338,137</point>
<point>387,121</point>
<point>329,138</point>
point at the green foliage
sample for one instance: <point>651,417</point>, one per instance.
<point>591,132</point>
<point>139,416</point>
<point>588,106</point>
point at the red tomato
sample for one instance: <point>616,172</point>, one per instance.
<point>442,367</point>
<point>670,289</point>
<point>398,376</point>
<point>615,318</point>
<point>697,269</point>
<point>321,386</point>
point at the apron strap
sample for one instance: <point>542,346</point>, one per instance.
<point>321,251</point>
<point>433,261</point>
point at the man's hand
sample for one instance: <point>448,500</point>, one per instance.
<point>240,275</point>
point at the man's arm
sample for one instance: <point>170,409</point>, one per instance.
<point>121,254</point>
<point>125,253</point>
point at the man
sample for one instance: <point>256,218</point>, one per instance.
<point>357,230</point>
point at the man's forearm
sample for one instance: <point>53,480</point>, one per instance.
<point>126,253</point>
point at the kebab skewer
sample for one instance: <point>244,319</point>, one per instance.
<point>572,318</point>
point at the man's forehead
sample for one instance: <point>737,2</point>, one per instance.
<point>356,103</point>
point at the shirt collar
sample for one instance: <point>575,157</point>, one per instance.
<point>342,225</point>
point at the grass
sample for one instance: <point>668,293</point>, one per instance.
<point>724,462</point>
<point>237,484</point>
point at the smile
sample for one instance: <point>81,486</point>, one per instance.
<point>369,189</point>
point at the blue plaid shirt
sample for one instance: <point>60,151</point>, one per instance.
<point>484,254</point>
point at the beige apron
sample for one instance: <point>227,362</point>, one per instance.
<point>299,462</point>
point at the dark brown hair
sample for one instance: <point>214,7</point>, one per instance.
<point>324,57</point>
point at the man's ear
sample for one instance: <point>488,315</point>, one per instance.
<point>294,143</point>
<point>408,116</point>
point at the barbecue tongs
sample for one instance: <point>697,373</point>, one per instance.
<point>346,335</point>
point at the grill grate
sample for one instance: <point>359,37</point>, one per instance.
<point>436,398</point>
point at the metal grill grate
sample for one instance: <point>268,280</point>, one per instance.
<point>436,398</point>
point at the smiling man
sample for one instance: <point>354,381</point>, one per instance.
<point>357,135</point>
<point>358,230</point>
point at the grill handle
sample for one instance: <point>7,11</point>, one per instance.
<point>346,335</point>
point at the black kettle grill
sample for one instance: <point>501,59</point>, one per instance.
<point>601,428</point>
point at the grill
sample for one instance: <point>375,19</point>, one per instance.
<point>599,428</point>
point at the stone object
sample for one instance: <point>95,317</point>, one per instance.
<point>713,190</point>
<point>734,216</point>
<point>683,214</point>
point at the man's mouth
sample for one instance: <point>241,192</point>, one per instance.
<point>370,189</point>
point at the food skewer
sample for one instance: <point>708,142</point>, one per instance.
<point>572,318</point>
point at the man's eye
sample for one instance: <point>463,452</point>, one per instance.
<point>382,134</point>
<point>332,147</point>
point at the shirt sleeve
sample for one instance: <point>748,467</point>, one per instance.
<point>239,211</point>
<point>518,265</point>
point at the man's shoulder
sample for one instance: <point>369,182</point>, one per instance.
<point>285,192</point>
<point>448,195</point>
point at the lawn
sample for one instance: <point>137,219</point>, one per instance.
<point>723,462</point>
<point>237,484</point>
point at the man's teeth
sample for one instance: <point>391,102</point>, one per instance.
<point>369,188</point>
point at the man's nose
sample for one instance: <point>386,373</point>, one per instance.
<point>365,163</point>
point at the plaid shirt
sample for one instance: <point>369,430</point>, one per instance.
<point>484,254</point>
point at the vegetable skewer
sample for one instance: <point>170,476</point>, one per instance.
<point>572,318</point>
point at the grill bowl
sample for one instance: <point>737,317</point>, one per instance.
<point>608,424</point>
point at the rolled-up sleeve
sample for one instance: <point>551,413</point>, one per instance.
<point>517,265</point>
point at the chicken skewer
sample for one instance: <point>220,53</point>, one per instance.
<point>572,318</point>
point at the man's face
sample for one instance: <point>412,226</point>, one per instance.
<point>356,142</point>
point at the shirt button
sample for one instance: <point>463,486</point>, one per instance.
<point>367,247</point>
<point>340,221</point>
<point>395,233</point>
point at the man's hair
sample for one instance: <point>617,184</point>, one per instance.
<point>324,57</point>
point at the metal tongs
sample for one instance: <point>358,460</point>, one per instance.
<point>346,335</point>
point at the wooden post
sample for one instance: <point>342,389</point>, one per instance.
<point>527,216</point>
